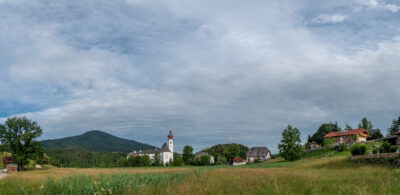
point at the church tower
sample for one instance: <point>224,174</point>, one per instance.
<point>170,141</point>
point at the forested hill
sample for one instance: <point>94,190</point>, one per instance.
<point>96,141</point>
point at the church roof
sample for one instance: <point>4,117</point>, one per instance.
<point>165,148</point>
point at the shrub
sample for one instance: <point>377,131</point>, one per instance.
<point>342,147</point>
<point>358,149</point>
<point>387,148</point>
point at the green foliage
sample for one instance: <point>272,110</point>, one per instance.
<point>367,125</point>
<point>139,161</point>
<point>76,157</point>
<point>178,161</point>
<point>355,137</point>
<point>328,143</point>
<point>221,160</point>
<point>290,146</point>
<point>323,130</point>
<point>228,151</point>
<point>18,135</point>
<point>375,134</point>
<point>348,127</point>
<point>187,154</point>
<point>394,127</point>
<point>122,162</point>
<point>358,149</point>
<point>157,159</point>
<point>205,160</point>
<point>387,148</point>
<point>96,141</point>
<point>342,147</point>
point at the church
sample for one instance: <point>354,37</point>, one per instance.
<point>166,153</point>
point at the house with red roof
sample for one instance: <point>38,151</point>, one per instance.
<point>398,137</point>
<point>348,137</point>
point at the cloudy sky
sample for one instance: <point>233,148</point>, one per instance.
<point>213,71</point>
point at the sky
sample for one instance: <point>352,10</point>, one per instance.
<point>213,71</point>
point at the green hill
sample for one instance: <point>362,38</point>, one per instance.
<point>96,141</point>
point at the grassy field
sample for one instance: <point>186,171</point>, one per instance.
<point>313,175</point>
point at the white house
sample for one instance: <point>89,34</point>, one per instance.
<point>260,153</point>
<point>166,152</point>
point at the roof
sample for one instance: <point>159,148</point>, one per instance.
<point>198,155</point>
<point>389,137</point>
<point>360,132</point>
<point>257,152</point>
<point>143,152</point>
<point>398,133</point>
<point>165,148</point>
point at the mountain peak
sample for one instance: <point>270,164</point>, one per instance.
<point>96,140</point>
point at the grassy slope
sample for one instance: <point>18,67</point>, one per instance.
<point>314,175</point>
<point>96,141</point>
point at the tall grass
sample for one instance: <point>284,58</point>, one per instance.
<point>332,175</point>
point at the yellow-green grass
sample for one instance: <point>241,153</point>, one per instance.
<point>333,175</point>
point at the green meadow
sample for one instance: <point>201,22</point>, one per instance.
<point>318,174</point>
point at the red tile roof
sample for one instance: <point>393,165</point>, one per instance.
<point>349,132</point>
<point>398,133</point>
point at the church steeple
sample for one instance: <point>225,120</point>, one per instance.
<point>170,141</point>
<point>170,136</point>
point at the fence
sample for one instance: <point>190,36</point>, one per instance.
<point>393,158</point>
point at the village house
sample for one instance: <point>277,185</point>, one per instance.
<point>166,153</point>
<point>258,153</point>
<point>238,161</point>
<point>200,154</point>
<point>398,137</point>
<point>313,146</point>
<point>348,137</point>
<point>393,139</point>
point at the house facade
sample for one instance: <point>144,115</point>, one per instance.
<point>166,153</point>
<point>398,138</point>
<point>238,161</point>
<point>260,153</point>
<point>347,137</point>
<point>200,154</point>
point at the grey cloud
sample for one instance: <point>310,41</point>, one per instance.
<point>214,72</point>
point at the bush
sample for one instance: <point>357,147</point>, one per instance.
<point>358,149</point>
<point>387,148</point>
<point>342,147</point>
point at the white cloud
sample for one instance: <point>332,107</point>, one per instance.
<point>379,4</point>
<point>329,18</point>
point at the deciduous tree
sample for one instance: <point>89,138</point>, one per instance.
<point>19,136</point>
<point>290,146</point>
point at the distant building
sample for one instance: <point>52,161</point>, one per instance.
<point>347,137</point>
<point>166,153</point>
<point>393,139</point>
<point>260,153</point>
<point>199,155</point>
<point>313,146</point>
<point>398,137</point>
<point>238,161</point>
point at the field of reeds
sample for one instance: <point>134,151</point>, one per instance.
<point>316,175</point>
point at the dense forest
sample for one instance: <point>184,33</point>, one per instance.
<point>77,157</point>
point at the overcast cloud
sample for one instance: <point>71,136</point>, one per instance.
<point>213,71</point>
